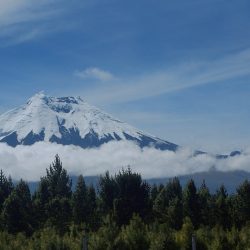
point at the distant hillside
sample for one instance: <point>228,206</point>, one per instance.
<point>231,180</point>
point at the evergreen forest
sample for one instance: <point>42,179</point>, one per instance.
<point>122,212</point>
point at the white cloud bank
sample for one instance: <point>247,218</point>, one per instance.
<point>30,162</point>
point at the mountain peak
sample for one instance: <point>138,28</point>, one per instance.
<point>41,97</point>
<point>68,121</point>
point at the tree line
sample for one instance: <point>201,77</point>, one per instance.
<point>122,212</point>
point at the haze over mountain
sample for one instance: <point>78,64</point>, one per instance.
<point>69,121</point>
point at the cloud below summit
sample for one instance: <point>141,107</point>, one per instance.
<point>30,162</point>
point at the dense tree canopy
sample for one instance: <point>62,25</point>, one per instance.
<point>124,195</point>
<point>121,212</point>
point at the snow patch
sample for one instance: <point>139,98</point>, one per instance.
<point>48,114</point>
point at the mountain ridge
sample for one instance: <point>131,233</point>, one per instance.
<point>69,121</point>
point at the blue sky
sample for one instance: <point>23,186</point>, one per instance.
<point>176,69</point>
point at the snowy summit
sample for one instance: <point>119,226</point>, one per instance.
<point>69,121</point>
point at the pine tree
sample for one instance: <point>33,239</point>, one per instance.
<point>80,202</point>
<point>175,213</point>
<point>160,205</point>
<point>12,214</point>
<point>17,210</point>
<point>59,211</point>
<point>133,196</point>
<point>6,186</point>
<point>204,203</point>
<point>41,199</point>
<point>124,195</point>
<point>191,203</point>
<point>221,210</point>
<point>154,192</point>
<point>59,183</point>
<point>171,191</point>
<point>92,206</point>
<point>108,192</point>
<point>168,204</point>
<point>243,202</point>
<point>53,197</point>
<point>174,189</point>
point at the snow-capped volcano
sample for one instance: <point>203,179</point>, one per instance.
<point>69,121</point>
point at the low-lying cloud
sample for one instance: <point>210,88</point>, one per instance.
<point>30,162</point>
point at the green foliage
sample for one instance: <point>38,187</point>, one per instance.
<point>160,205</point>
<point>58,181</point>
<point>243,202</point>
<point>220,240</point>
<point>40,202</point>
<point>52,201</point>
<point>221,209</point>
<point>92,207</point>
<point>170,192</point>
<point>191,207</point>
<point>134,235</point>
<point>162,237</point>
<point>174,213</point>
<point>168,204</point>
<point>124,195</point>
<point>6,186</point>
<point>184,236</point>
<point>107,191</point>
<point>59,214</point>
<point>244,235</point>
<point>204,197</point>
<point>12,214</point>
<point>124,215</point>
<point>47,239</point>
<point>106,236</point>
<point>17,210</point>
<point>80,202</point>
<point>154,192</point>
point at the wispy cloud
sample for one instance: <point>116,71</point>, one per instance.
<point>94,73</point>
<point>189,74</point>
<point>19,161</point>
<point>15,12</point>
<point>25,20</point>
